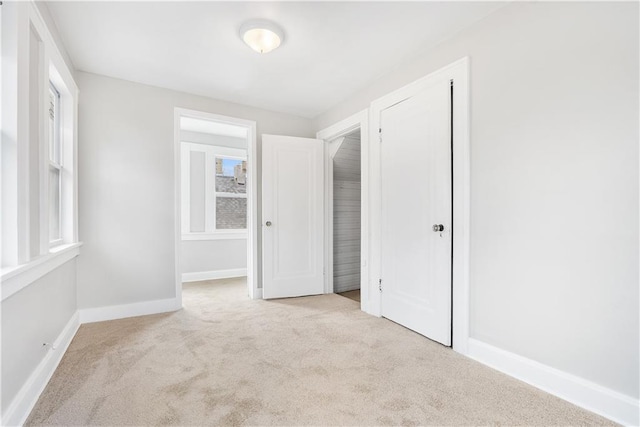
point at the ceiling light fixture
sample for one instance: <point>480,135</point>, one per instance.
<point>261,36</point>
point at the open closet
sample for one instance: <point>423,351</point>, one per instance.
<point>346,198</point>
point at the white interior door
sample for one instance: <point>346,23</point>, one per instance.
<point>292,216</point>
<point>416,197</point>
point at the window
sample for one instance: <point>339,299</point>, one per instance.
<point>39,164</point>
<point>55,168</point>
<point>231,194</point>
<point>214,192</point>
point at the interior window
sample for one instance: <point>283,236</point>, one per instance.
<point>231,198</point>
<point>214,200</point>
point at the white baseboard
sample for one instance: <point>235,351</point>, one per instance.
<point>586,394</point>
<point>211,275</point>
<point>21,406</point>
<point>24,401</point>
<point>99,314</point>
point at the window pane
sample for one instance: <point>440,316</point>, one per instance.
<point>54,204</point>
<point>54,128</point>
<point>231,176</point>
<point>231,213</point>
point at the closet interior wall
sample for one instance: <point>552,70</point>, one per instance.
<point>346,215</point>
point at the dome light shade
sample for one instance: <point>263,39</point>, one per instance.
<point>261,36</point>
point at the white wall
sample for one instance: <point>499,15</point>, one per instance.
<point>127,185</point>
<point>554,175</point>
<point>206,138</point>
<point>35,315</point>
<point>199,256</point>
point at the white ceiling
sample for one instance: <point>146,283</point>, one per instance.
<point>331,49</point>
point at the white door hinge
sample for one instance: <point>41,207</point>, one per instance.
<point>380,285</point>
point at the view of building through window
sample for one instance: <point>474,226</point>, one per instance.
<point>231,194</point>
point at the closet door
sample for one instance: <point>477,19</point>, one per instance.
<point>416,212</point>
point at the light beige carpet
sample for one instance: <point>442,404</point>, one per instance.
<point>354,295</point>
<point>227,360</point>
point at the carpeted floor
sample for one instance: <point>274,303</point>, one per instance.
<point>354,295</point>
<point>227,360</point>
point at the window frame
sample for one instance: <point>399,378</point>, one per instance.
<point>67,135</point>
<point>211,152</point>
<point>58,165</point>
<point>224,194</point>
<point>27,252</point>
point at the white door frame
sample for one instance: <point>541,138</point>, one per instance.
<point>359,120</point>
<point>459,73</point>
<point>252,197</point>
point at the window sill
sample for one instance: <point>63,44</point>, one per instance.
<point>14,279</point>
<point>214,236</point>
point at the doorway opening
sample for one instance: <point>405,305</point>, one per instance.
<point>346,201</point>
<point>345,193</point>
<point>215,199</point>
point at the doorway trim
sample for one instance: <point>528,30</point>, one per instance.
<point>357,121</point>
<point>458,71</point>
<point>252,199</point>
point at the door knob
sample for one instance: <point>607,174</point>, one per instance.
<point>438,227</point>
<point>268,223</point>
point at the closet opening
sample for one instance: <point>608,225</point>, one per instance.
<point>345,197</point>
